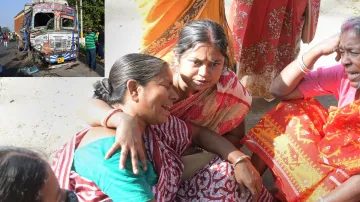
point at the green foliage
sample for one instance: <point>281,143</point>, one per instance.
<point>5,30</point>
<point>93,13</point>
<point>83,49</point>
<point>355,7</point>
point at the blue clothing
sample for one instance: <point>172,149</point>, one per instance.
<point>91,58</point>
<point>119,185</point>
<point>101,50</point>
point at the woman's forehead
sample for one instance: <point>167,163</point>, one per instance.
<point>165,75</point>
<point>350,38</point>
<point>201,50</point>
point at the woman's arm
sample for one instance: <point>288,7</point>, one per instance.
<point>245,173</point>
<point>94,110</point>
<point>235,135</point>
<point>348,191</point>
<point>285,84</point>
<point>128,135</point>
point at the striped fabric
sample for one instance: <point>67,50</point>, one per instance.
<point>90,40</point>
<point>86,190</point>
<point>164,145</point>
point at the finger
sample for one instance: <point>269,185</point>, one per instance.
<point>259,184</point>
<point>123,157</point>
<point>242,190</point>
<point>134,161</point>
<point>338,56</point>
<point>112,150</point>
<point>254,193</point>
<point>259,188</point>
<point>142,158</point>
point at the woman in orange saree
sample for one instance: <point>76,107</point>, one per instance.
<point>314,154</point>
<point>266,38</point>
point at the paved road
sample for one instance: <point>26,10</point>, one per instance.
<point>9,60</point>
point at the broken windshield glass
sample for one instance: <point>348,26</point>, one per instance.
<point>41,19</point>
<point>67,23</point>
<point>50,24</point>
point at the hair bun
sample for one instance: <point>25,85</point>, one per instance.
<point>103,89</point>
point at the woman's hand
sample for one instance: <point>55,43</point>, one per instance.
<point>129,138</point>
<point>329,46</point>
<point>247,176</point>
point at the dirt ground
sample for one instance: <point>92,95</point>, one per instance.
<point>39,113</point>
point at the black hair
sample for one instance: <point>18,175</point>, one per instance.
<point>202,31</point>
<point>136,66</point>
<point>22,175</point>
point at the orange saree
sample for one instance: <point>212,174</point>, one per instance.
<point>309,151</point>
<point>162,21</point>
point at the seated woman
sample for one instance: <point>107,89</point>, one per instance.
<point>315,154</point>
<point>26,177</point>
<point>210,95</point>
<point>141,86</point>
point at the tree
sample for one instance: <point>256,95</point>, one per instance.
<point>5,30</point>
<point>93,13</point>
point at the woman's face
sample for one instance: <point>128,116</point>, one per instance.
<point>156,98</point>
<point>201,67</point>
<point>51,191</point>
<point>349,48</point>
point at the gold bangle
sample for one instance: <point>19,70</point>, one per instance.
<point>241,158</point>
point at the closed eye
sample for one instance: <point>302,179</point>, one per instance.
<point>167,86</point>
<point>215,64</point>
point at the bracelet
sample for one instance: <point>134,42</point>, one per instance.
<point>108,116</point>
<point>302,65</point>
<point>241,158</point>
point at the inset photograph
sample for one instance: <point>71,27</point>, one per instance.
<point>52,38</point>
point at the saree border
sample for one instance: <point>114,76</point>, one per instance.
<point>173,31</point>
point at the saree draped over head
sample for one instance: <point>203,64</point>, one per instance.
<point>220,108</point>
<point>266,38</point>
<point>162,21</point>
<point>309,151</point>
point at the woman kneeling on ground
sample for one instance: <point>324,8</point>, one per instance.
<point>142,86</point>
<point>314,153</point>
